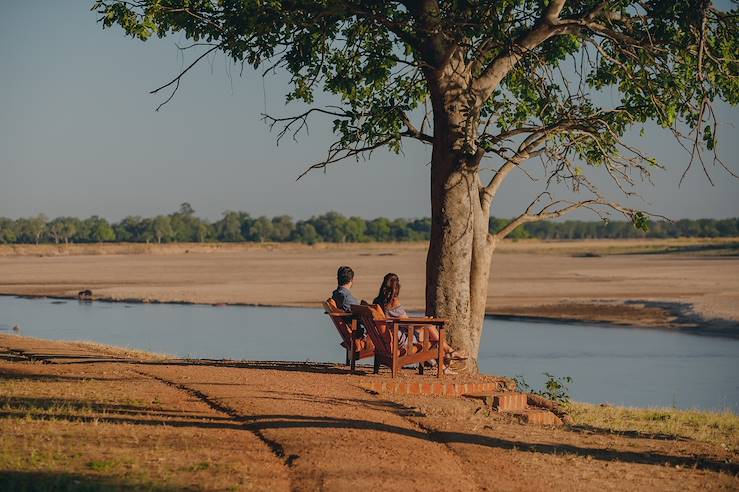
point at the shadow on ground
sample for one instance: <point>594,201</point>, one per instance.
<point>64,409</point>
<point>42,481</point>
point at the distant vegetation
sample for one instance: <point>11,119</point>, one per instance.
<point>184,226</point>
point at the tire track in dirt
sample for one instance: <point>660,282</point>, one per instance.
<point>436,437</point>
<point>383,448</point>
<point>275,447</point>
<point>439,438</point>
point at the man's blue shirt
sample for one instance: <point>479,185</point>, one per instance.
<point>344,299</point>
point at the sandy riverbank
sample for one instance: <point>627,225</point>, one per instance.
<point>628,282</point>
<point>83,417</point>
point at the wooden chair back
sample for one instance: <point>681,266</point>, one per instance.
<point>340,322</point>
<point>356,348</point>
<point>373,319</point>
<point>384,333</point>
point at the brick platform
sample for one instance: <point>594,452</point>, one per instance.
<point>537,416</point>
<point>498,393</point>
<point>502,401</point>
<point>429,388</point>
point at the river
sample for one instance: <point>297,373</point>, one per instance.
<point>621,366</point>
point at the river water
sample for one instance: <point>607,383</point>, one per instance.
<point>622,366</point>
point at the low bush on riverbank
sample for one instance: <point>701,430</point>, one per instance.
<point>719,428</point>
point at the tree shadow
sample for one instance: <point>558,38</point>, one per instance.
<point>131,414</point>
<point>374,404</point>
<point>589,429</point>
<point>10,374</point>
<point>265,422</point>
<point>26,405</point>
<point>43,356</point>
<point>38,481</point>
<point>113,419</point>
<point>285,366</point>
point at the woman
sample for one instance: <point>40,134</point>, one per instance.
<point>389,301</point>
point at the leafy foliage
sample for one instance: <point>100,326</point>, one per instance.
<point>555,388</point>
<point>529,76</point>
<point>184,226</point>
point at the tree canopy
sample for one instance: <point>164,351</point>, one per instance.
<point>329,227</point>
<point>533,72</point>
<point>560,82</point>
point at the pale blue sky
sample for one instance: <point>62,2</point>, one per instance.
<point>79,136</point>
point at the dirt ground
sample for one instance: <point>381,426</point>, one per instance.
<point>582,280</point>
<point>72,418</point>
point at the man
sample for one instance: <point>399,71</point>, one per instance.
<point>342,295</point>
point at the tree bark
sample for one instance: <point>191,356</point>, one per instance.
<point>459,255</point>
<point>460,250</point>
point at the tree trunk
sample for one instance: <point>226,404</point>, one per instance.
<point>460,251</point>
<point>459,255</point>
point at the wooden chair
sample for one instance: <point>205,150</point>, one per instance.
<point>384,333</point>
<point>346,324</point>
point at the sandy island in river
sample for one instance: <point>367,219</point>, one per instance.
<point>690,284</point>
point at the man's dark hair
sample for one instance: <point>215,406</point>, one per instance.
<point>344,275</point>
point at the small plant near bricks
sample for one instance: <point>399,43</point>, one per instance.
<point>555,388</point>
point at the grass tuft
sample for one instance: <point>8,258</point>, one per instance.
<point>719,428</point>
<point>100,465</point>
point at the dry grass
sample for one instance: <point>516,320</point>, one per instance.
<point>535,246</point>
<point>94,249</point>
<point>113,430</point>
<point>124,352</point>
<point>718,428</point>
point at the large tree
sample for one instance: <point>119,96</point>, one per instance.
<point>509,80</point>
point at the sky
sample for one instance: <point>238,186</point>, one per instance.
<point>79,135</point>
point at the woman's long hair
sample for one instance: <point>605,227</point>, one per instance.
<point>389,290</point>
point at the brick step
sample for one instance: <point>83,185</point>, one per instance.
<point>428,387</point>
<point>536,416</point>
<point>502,401</point>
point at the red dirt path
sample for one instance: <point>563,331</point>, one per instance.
<point>304,427</point>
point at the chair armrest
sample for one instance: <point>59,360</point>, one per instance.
<point>418,321</point>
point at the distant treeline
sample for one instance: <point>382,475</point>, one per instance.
<point>332,227</point>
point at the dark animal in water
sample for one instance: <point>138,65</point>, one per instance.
<point>16,328</point>
<point>85,295</point>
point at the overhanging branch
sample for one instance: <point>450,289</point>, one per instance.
<point>550,211</point>
<point>176,81</point>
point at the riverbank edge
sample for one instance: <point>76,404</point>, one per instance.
<point>115,353</point>
<point>683,318</point>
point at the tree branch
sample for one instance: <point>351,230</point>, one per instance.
<point>546,213</point>
<point>542,30</point>
<point>414,132</point>
<point>548,25</point>
<point>176,81</point>
<point>298,122</point>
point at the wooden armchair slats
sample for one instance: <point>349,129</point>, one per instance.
<point>385,332</point>
<point>346,324</point>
